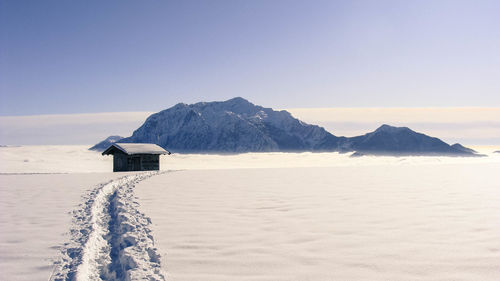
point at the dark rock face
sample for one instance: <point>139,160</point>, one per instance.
<point>389,140</point>
<point>232,126</point>
<point>236,126</point>
<point>105,143</point>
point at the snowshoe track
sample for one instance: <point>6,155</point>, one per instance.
<point>110,238</point>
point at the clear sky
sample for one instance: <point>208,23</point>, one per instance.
<point>64,56</point>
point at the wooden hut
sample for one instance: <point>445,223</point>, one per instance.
<point>135,156</point>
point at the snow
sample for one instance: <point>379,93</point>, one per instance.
<point>425,222</point>
<point>78,159</point>
<point>35,218</point>
<point>254,216</point>
<point>139,148</point>
<point>110,238</point>
<point>53,159</point>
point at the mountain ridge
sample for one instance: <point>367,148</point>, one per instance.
<point>237,125</point>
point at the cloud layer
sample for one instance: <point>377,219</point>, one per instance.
<point>468,125</point>
<point>471,126</point>
<point>68,128</point>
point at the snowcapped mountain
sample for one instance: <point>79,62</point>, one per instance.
<point>235,125</point>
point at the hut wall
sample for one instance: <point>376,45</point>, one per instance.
<point>150,162</point>
<point>138,162</point>
<point>120,162</point>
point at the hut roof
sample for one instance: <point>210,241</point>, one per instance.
<point>135,148</point>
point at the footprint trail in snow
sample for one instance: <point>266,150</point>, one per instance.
<point>110,238</point>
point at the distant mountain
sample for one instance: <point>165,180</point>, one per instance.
<point>236,126</point>
<point>389,140</point>
<point>463,148</point>
<point>106,143</point>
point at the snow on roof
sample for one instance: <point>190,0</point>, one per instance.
<point>136,148</point>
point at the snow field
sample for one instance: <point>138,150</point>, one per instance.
<point>254,216</point>
<point>385,222</point>
<point>35,217</point>
<point>78,159</point>
<point>110,239</point>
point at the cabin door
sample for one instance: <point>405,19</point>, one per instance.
<point>136,163</point>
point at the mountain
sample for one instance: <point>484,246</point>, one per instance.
<point>389,140</point>
<point>101,146</point>
<point>463,148</point>
<point>235,125</point>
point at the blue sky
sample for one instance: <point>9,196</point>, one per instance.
<point>60,57</point>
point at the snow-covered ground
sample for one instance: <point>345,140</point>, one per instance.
<point>110,238</point>
<point>53,159</point>
<point>35,218</point>
<point>426,222</point>
<point>78,159</point>
<point>256,216</point>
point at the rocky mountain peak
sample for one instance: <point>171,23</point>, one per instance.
<point>392,129</point>
<point>237,125</point>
